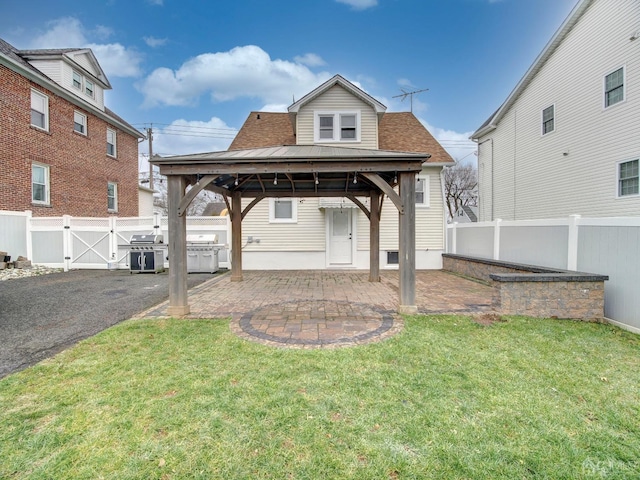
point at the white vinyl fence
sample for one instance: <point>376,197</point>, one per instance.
<point>93,243</point>
<point>607,246</point>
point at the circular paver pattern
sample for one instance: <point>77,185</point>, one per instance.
<point>317,324</point>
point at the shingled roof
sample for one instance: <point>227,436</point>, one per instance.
<point>401,132</point>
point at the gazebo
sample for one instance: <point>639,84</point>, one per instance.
<point>293,171</point>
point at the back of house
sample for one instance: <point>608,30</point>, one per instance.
<point>319,233</point>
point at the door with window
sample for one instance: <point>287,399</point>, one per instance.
<point>340,237</point>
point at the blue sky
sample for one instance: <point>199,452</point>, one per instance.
<point>195,69</point>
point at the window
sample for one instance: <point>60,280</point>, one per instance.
<point>548,120</point>
<point>614,87</point>
<point>422,190</point>
<point>337,127</point>
<point>111,142</point>
<point>347,127</point>
<point>80,123</point>
<point>326,127</point>
<point>283,210</point>
<point>40,184</point>
<point>628,178</point>
<point>392,258</point>
<point>77,80</point>
<point>112,197</point>
<point>88,88</point>
<point>39,110</point>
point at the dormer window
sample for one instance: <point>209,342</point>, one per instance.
<point>81,83</point>
<point>77,80</point>
<point>337,127</point>
<point>88,88</point>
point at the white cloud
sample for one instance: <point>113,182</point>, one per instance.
<point>276,107</point>
<point>68,32</point>
<point>310,60</point>
<point>61,33</point>
<point>245,71</point>
<point>456,144</point>
<point>359,4</point>
<point>154,42</point>
<point>405,83</point>
<point>116,60</point>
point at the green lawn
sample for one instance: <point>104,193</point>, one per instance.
<point>447,398</point>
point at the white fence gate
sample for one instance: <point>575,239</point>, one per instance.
<point>607,246</point>
<point>94,243</point>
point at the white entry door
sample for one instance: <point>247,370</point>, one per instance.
<point>340,237</point>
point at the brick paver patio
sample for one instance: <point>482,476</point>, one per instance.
<point>325,308</point>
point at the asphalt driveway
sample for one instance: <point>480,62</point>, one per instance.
<point>40,316</point>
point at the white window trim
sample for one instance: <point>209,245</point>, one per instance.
<point>336,126</point>
<point>115,197</point>
<point>47,183</point>
<point>294,211</point>
<point>46,112</point>
<point>93,91</point>
<point>83,84</point>
<point>115,143</point>
<point>84,123</point>
<point>635,195</point>
<point>555,123</point>
<point>624,87</point>
<point>424,179</point>
<point>73,72</point>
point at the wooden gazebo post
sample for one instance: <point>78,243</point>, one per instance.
<point>407,241</point>
<point>178,303</point>
<point>374,237</point>
<point>236,236</point>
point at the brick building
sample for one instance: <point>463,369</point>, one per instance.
<point>62,152</point>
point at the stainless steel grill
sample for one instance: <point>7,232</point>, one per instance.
<point>202,253</point>
<point>145,254</point>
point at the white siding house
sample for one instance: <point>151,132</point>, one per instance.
<point>567,139</point>
<point>321,233</point>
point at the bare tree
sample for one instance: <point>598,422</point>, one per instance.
<point>460,187</point>
<point>160,202</point>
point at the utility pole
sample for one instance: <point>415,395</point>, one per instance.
<point>150,138</point>
<point>410,95</point>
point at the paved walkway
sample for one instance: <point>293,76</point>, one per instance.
<point>325,308</point>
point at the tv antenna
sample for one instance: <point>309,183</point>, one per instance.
<point>410,95</point>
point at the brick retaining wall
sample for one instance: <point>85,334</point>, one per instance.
<point>535,291</point>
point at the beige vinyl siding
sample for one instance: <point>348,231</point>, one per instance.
<point>307,235</point>
<point>533,178</point>
<point>429,220</point>
<point>337,99</point>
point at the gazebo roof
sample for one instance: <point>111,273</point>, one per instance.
<point>293,170</point>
